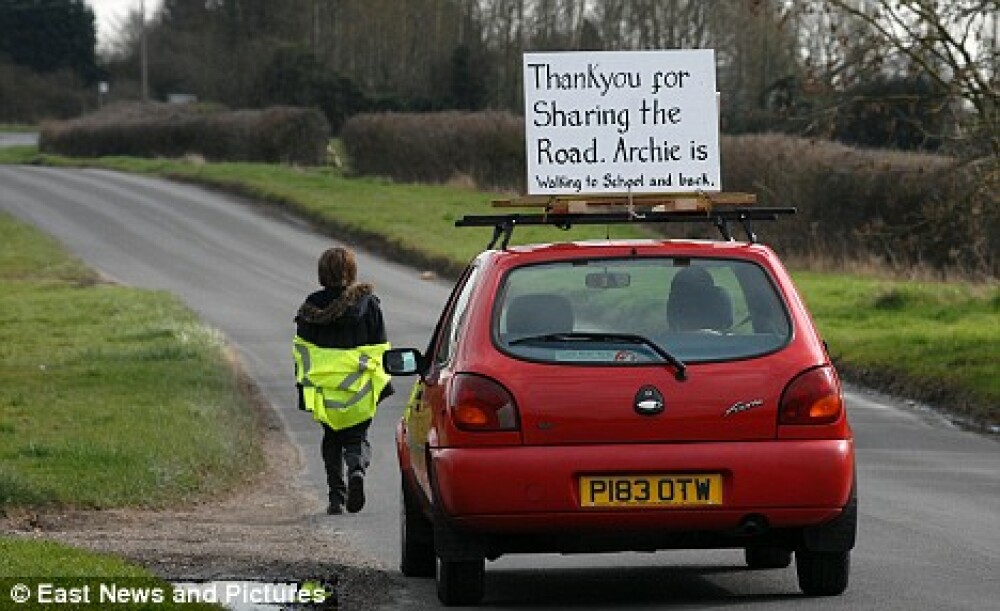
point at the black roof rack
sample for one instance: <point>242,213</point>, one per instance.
<point>566,212</point>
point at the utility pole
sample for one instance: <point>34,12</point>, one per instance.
<point>142,52</point>
<point>995,47</point>
<point>765,23</point>
<point>315,27</point>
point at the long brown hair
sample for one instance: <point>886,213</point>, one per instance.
<point>337,268</point>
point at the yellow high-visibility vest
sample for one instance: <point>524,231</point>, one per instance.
<point>340,386</point>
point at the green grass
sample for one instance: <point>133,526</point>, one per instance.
<point>937,340</point>
<point>17,128</point>
<point>942,339</point>
<point>22,153</point>
<point>77,573</point>
<point>109,396</point>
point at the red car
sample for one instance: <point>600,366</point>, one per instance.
<point>623,395</point>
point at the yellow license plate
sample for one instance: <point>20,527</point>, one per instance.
<point>650,490</point>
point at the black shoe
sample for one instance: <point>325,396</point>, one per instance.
<point>356,492</point>
<point>334,509</point>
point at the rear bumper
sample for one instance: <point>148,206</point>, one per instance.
<point>790,484</point>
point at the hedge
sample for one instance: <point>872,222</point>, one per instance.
<point>900,209</point>
<point>280,134</point>
<point>487,147</point>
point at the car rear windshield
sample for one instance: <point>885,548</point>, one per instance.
<point>640,310</point>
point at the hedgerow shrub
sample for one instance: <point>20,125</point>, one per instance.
<point>28,97</point>
<point>278,134</point>
<point>901,209</point>
<point>438,147</point>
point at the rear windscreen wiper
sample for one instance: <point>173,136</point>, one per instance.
<point>608,337</point>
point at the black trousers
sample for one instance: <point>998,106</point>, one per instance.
<point>345,448</point>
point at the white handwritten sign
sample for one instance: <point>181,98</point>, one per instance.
<point>621,121</point>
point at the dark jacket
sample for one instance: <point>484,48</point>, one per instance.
<point>342,318</point>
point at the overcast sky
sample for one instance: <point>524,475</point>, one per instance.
<point>111,13</point>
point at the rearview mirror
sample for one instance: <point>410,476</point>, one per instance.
<point>402,361</point>
<point>608,280</point>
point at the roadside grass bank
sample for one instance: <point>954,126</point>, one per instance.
<point>20,153</point>
<point>932,341</point>
<point>46,566</point>
<point>935,342</point>
<point>110,396</point>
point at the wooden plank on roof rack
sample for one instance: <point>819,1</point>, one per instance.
<point>646,202</point>
<point>526,201</point>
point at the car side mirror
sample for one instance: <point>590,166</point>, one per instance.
<point>403,361</point>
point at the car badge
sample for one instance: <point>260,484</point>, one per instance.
<point>648,401</point>
<point>742,406</point>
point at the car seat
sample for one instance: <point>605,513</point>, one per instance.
<point>695,302</point>
<point>539,314</point>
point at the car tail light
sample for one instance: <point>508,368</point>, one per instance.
<point>479,403</point>
<point>813,397</point>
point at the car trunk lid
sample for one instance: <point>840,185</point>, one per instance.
<point>735,401</point>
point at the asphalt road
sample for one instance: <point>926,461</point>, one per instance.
<point>930,494</point>
<point>18,138</point>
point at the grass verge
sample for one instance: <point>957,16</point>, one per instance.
<point>932,341</point>
<point>109,395</point>
<point>21,153</point>
<point>57,576</point>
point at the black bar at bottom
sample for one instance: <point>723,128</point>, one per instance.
<point>692,216</point>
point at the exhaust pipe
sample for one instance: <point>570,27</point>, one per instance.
<point>752,525</point>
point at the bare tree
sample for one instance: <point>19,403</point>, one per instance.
<point>950,43</point>
<point>778,60</point>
